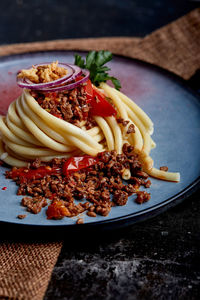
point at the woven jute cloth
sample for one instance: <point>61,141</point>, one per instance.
<point>26,267</point>
<point>174,47</point>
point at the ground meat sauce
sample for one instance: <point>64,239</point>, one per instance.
<point>34,204</point>
<point>95,184</point>
<point>164,168</point>
<point>70,105</point>
<point>21,216</point>
<point>122,121</point>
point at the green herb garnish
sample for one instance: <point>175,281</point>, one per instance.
<point>94,62</point>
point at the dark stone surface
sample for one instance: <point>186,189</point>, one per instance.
<point>27,20</point>
<point>156,259</point>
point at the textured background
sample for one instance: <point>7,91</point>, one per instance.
<point>37,20</point>
<point>157,259</point>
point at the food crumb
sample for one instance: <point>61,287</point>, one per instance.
<point>131,129</point>
<point>142,197</point>
<point>43,73</point>
<point>164,168</point>
<point>91,214</point>
<point>21,216</point>
<point>79,221</point>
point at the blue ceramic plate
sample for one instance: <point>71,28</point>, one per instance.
<point>175,111</point>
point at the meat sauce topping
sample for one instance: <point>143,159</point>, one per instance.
<point>71,106</point>
<point>76,105</point>
<point>96,182</point>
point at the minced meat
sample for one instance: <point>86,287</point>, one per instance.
<point>70,105</point>
<point>96,184</point>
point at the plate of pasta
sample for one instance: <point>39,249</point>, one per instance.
<point>88,138</point>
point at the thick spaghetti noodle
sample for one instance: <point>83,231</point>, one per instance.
<point>29,131</point>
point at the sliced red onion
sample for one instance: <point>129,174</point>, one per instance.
<point>72,71</point>
<point>69,86</point>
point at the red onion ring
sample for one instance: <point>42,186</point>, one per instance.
<point>72,71</point>
<point>69,86</point>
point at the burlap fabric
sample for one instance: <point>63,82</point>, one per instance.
<point>174,47</point>
<point>26,267</point>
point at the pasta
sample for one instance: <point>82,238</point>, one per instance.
<point>28,131</point>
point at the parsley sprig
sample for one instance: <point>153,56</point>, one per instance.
<point>95,62</point>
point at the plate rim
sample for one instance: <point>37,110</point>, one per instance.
<point>156,209</point>
<point>146,213</point>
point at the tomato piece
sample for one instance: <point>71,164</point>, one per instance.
<point>78,78</point>
<point>100,106</point>
<point>76,163</point>
<point>24,173</point>
<point>89,90</point>
<point>51,95</point>
<point>57,210</point>
<point>57,116</point>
